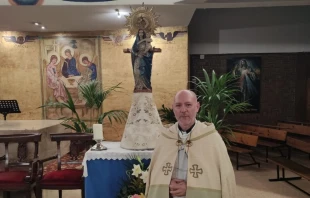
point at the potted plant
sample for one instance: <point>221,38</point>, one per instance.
<point>94,96</point>
<point>217,98</point>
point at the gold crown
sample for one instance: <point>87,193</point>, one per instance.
<point>142,18</point>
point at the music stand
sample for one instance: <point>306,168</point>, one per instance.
<point>8,106</point>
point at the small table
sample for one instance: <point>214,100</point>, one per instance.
<point>104,171</point>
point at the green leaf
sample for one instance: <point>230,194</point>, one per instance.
<point>68,126</point>
<point>94,96</point>
<point>119,116</point>
<point>77,127</point>
<point>167,114</point>
<point>217,98</point>
<point>84,126</point>
<point>213,78</point>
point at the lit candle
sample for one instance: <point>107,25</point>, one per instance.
<point>97,130</point>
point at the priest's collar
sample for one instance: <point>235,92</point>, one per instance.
<point>188,130</point>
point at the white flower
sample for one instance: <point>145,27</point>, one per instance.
<point>136,170</point>
<point>144,176</point>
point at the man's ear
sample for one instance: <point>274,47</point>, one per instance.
<point>198,106</point>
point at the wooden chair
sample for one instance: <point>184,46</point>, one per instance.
<point>302,144</point>
<point>20,175</point>
<point>247,142</point>
<point>63,179</point>
<point>270,138</point>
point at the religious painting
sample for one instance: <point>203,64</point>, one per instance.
<point>247,70</point>
<point>68,62</point>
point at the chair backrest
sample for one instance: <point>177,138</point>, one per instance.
<point>296,128</point>
<point>299,143</point>
<point>265,132</point>
<point>76,139</point>
<point>294,122</point>
<point>261,125</point>
<point>245,139</point>
<point>22,140</point>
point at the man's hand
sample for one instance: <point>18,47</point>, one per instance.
<point>177,187</point>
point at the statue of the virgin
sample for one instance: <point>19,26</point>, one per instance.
<point>143,125</point>
<point>142,57</point>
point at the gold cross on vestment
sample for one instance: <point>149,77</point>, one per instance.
<point>166,169</point>
<point>195,171</point>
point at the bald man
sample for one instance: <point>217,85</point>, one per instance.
<point>190,159</point>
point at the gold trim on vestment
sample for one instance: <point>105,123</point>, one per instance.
<point>192,139</point>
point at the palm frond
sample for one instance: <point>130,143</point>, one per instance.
<point>94,96</point>
<point>117,115</point>
<point>167,114</point>
<point>217,98</point>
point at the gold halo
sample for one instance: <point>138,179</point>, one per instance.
<point>142,18</point>
<point>49,57</point>
<point>82,56</point>
<point>64,49</point>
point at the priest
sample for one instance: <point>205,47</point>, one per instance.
<point>190,159</point>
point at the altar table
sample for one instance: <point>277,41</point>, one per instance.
<point>105,170</point>
<point>47,148</point>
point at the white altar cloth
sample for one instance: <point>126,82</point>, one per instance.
<point>26,125</point>
<point>114,152</point>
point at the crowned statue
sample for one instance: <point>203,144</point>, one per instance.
<point>143,125</point>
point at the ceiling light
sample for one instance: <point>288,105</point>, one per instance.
<point>36,23</point>
<point>43,28</point>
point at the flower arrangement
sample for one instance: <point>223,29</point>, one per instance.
<point>134,187</point>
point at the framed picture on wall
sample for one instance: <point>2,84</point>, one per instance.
<point>68,62</point>
<point>247,70</point>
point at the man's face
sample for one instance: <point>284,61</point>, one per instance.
<point>85,62</point>
<point>185,109</point>
<point>68,54</point>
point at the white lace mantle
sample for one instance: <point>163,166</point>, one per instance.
<point>114,152</point>
<point>143,125</point>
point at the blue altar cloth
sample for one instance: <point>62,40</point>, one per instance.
<point>105,177</point>
<point>105,171</point>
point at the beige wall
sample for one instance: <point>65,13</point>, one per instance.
<point>20,75</point>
